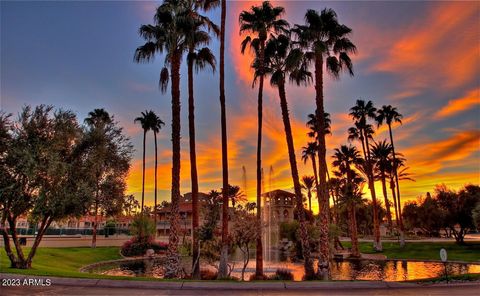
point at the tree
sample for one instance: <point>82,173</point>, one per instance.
<point>198,58</point>
<point>156,126</point>
<point>42,176</point>
<point>381,161</point>
<point>108,152</point>
<point>260,21</point>
<point>223,120</point>
<point>310,152</point>
<point>458,207</point>
<point>235,195</point>
<point>403,174</point>
<point>172,22</point>
<point>389,115</point>
<point>350,195</point>
<point>360,113</point>
<point>145,121</point>
<point>282,60</point>
<point>244,231</point>
<point>327,43</point>
<point>308,183</point>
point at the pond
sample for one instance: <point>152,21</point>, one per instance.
<point>374,270</point>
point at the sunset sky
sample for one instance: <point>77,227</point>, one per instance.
<point>423,57</point>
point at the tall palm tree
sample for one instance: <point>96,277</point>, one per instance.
<point>381,161</point>
<point>260,21</point>
<point>282,61</point>
<point>403,174</point>
<point>327,44</point>
<point>389,115</point>
<point>307,183</point>
<point>222,270</point>
<point>235,195</point>
<point>167,35</point>
<point>361,113</point>
<point>198,58</point>
<point>310,152</point>
<point>156,126</point>
<point>145,122</point>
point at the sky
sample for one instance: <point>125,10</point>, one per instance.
<point>422,57</point>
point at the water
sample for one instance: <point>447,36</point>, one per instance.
<point>342,270</point>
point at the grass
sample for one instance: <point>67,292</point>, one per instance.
<point>425,250</point>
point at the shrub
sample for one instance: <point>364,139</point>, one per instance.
<point>207,274</point>
<point>137,246</point>
<point>282,274</point>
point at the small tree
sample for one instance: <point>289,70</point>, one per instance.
<point>244,231</point>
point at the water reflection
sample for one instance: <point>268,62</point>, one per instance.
<point>399,270</point>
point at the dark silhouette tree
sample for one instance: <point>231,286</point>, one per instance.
<point>328,45</point>
<point>260,21</point>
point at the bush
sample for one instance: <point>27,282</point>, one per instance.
<point>138,246</point>
<point>207,274</point>
<point>282,274</point>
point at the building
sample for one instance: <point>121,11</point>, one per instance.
<point>278,207</point>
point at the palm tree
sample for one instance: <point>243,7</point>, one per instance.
<point>312,124</point>
<point>235,194</point>
<point>326,42</point>
<point>156,126</point>
<point>198,58</point>
<point>222,270</point>
<point>345,158</point>
<point>282,60</point>
<point>308,183</point>
<point>260,21</point>
<point>361,112</point>
<point>380,157</point>
<point>389,115</point>
<point>310,152</point>
<point>167,35</point>
<point>145,122</point>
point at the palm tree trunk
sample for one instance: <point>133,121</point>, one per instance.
<point>353,231</point>
<point>377,244</point>
<point>323,271</point>
<point>143,169</point>
<point>222,269</point>
<point>156,165</point>
<point>387,203</point>
<point>308,262</point>
<point>172,265</point>
<point>399,204</point>
<point>309,200</point>
<point>259,245</point>
<point>394,195</point>
<point>315,173</point>
<point>193,171</point>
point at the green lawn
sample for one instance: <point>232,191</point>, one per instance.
<point>424,250</point>
<point>62,261</point>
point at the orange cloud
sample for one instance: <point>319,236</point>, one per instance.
<point>431,50</point>
<point>470,100</point>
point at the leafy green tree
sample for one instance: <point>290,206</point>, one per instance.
<point>42,174</point>
<point>108,152</point>
<point>327,44</point>
<point>260,21</point>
